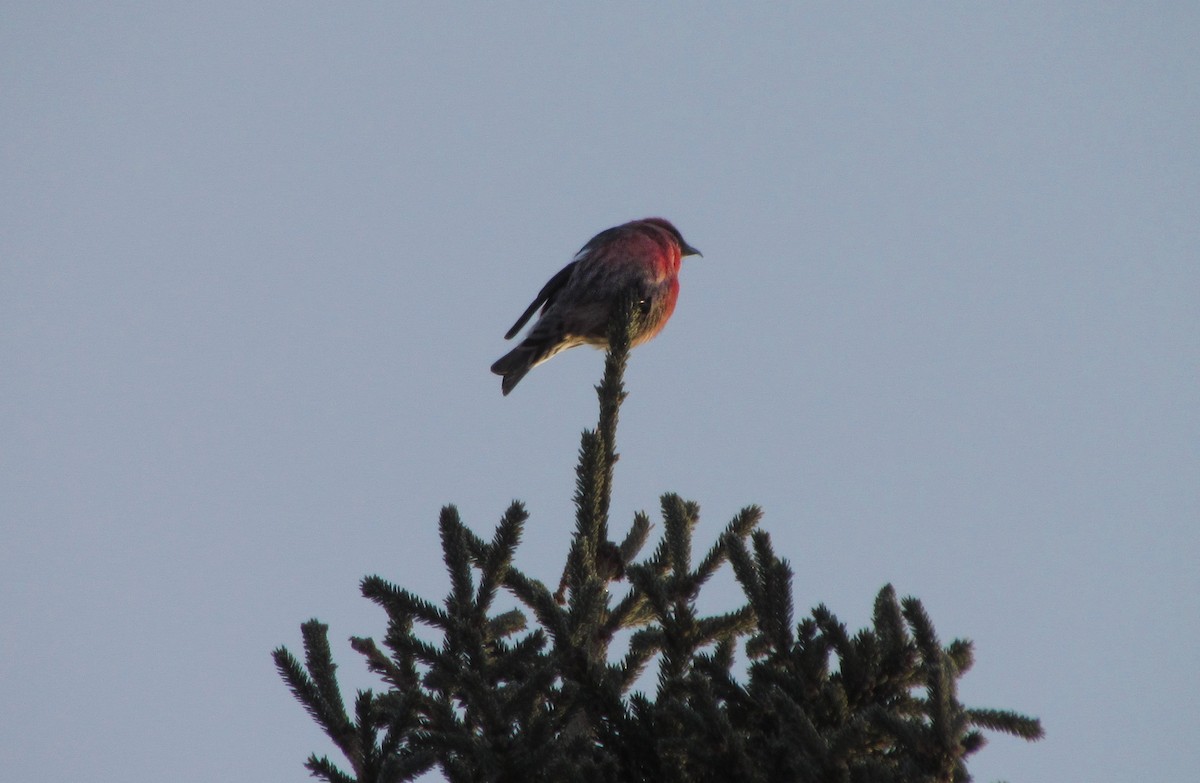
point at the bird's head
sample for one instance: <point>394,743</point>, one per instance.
<point>685,249</point>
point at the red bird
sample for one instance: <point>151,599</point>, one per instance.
<point>642,256</point>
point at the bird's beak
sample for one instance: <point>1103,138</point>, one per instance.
<point>686,250</point>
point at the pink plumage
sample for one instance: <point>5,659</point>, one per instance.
<point>641,256</point>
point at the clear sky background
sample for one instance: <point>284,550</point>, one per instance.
<point>257,258</point>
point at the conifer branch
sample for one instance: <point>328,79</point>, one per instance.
<point>597,458</point>
<point>325,769</point>
<point>739,527</point>
<point>395,675</point>
<point>1008,722</point>
<point>635,539</point>
<point>401,603</point>
<point>458,563</point>
<point>500,553</point>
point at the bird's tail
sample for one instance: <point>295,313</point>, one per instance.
<point>512,366</point>
<point>540,345</point>
<point>516,363</point>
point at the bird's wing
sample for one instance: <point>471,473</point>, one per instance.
<point>544,297</point>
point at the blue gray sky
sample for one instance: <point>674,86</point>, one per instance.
<point>256,259</point>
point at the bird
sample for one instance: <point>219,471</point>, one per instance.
<point>641,256</point>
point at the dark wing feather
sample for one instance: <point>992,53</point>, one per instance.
<point>545,296</point>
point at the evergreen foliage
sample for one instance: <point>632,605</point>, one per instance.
<point>505,699</point>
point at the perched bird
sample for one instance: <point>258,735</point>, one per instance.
<point>642,256</point>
